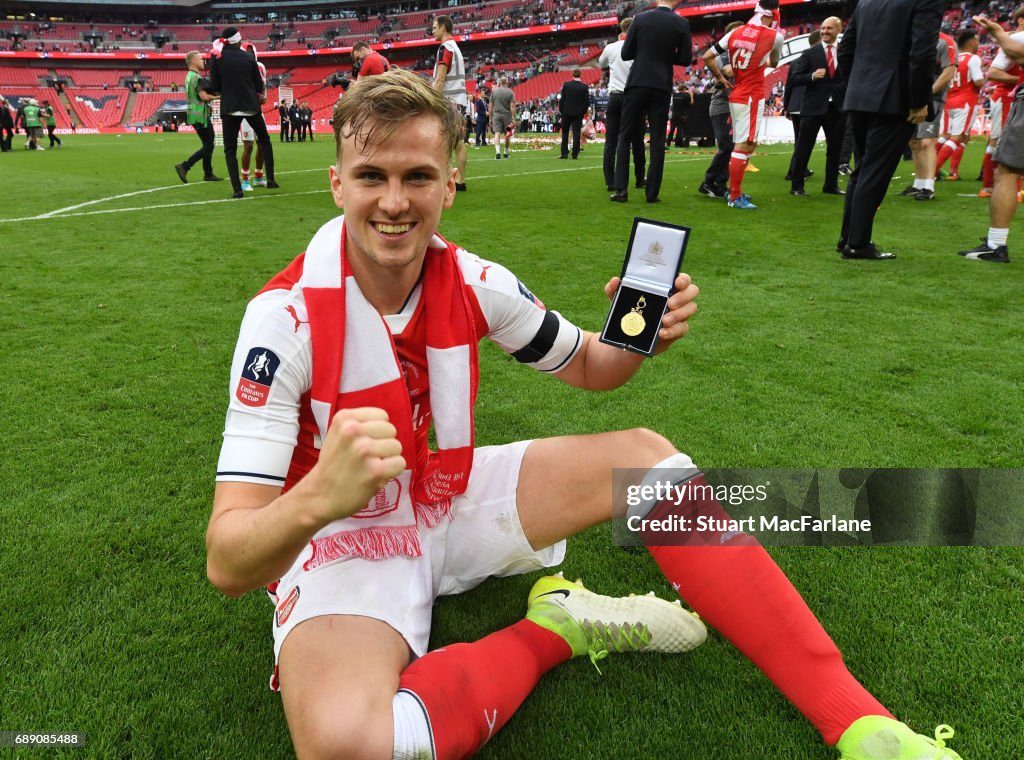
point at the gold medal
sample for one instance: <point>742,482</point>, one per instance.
<point>634,323</point>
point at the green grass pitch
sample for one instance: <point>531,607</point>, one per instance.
<point>121,292</point>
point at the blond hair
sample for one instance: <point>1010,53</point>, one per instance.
<point>375,107</point>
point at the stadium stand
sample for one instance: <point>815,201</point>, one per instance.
<point>310,74</point>
<point>549,83</point>
<point>98,108</point>
<point>164,77</point>
<point>148,103</point>
<point>22,76</point>
<point>542,63</point>
<point>87,77</point>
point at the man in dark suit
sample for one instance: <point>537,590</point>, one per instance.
<point>573,104</point>
<point>295,120</point>
<point>235,75</point>
<point>821,108</point>
<point>886,57</point>
<point>657,40</point>
<point>793,101</point>
<point>282,111</point>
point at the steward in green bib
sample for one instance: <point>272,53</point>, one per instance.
<point>33,126</point>
<point>198,116</point>
<point>51,124</point>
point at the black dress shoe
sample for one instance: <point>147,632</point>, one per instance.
<point>272,185</point>
<point>867,252</point>
<point>238,194</point>
<point>789,176</point>
<point>841,245</point>
<point>800,192</point>
<point>654,200</point>
<point>833,191</point>
<point>619,197</point>
<point>641,183</point>
<point>563,157</point>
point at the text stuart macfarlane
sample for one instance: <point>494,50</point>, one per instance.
<point>762,524</point>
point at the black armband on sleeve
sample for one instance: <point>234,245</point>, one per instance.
<point>542,342</point>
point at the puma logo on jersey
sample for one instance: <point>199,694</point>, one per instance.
<point>295,315</point>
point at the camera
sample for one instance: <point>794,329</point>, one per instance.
<point>339,80</point>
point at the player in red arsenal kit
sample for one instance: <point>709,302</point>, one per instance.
<point>752,48</point>
<point>328,491</point>
<point>961,104</point>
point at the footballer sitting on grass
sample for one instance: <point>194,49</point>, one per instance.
<point>328,493</point>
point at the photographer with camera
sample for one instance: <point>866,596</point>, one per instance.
<point>197,88</point>
<point>367,62</point>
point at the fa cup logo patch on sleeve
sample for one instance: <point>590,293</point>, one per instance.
<point>257,376</point>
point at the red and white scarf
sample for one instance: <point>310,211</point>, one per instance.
<point>355,364</point>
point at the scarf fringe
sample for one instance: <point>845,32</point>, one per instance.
<point>370,543</point>
<point>434,513</point>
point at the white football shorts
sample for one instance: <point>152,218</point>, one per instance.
<point>745,118</point>
<point>484,538</point>
<point>960,120</point>
<point>246,133</point>
<point>997,117</point>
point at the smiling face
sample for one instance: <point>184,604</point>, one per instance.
<point>393,190</point>
<point>830,29</point>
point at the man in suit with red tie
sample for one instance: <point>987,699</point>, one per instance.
<point>822,108</point>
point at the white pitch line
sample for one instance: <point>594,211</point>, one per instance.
<point>64,211</point>
<point>72,211</point>
<point>167,205</point>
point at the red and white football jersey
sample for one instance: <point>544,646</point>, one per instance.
<point>962,90</point>
<point>750,50</point>
<point>270,434</point>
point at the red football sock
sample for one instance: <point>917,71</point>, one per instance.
<point>944,153</point>
<point>737,167</point>
<point>988,171</point>
<point>471,690</point>
<point>737,588</point>
<point>954,161</point>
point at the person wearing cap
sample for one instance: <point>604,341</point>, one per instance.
<point>6,126</point>
<point>198,116</point>
<point>235,75</point>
